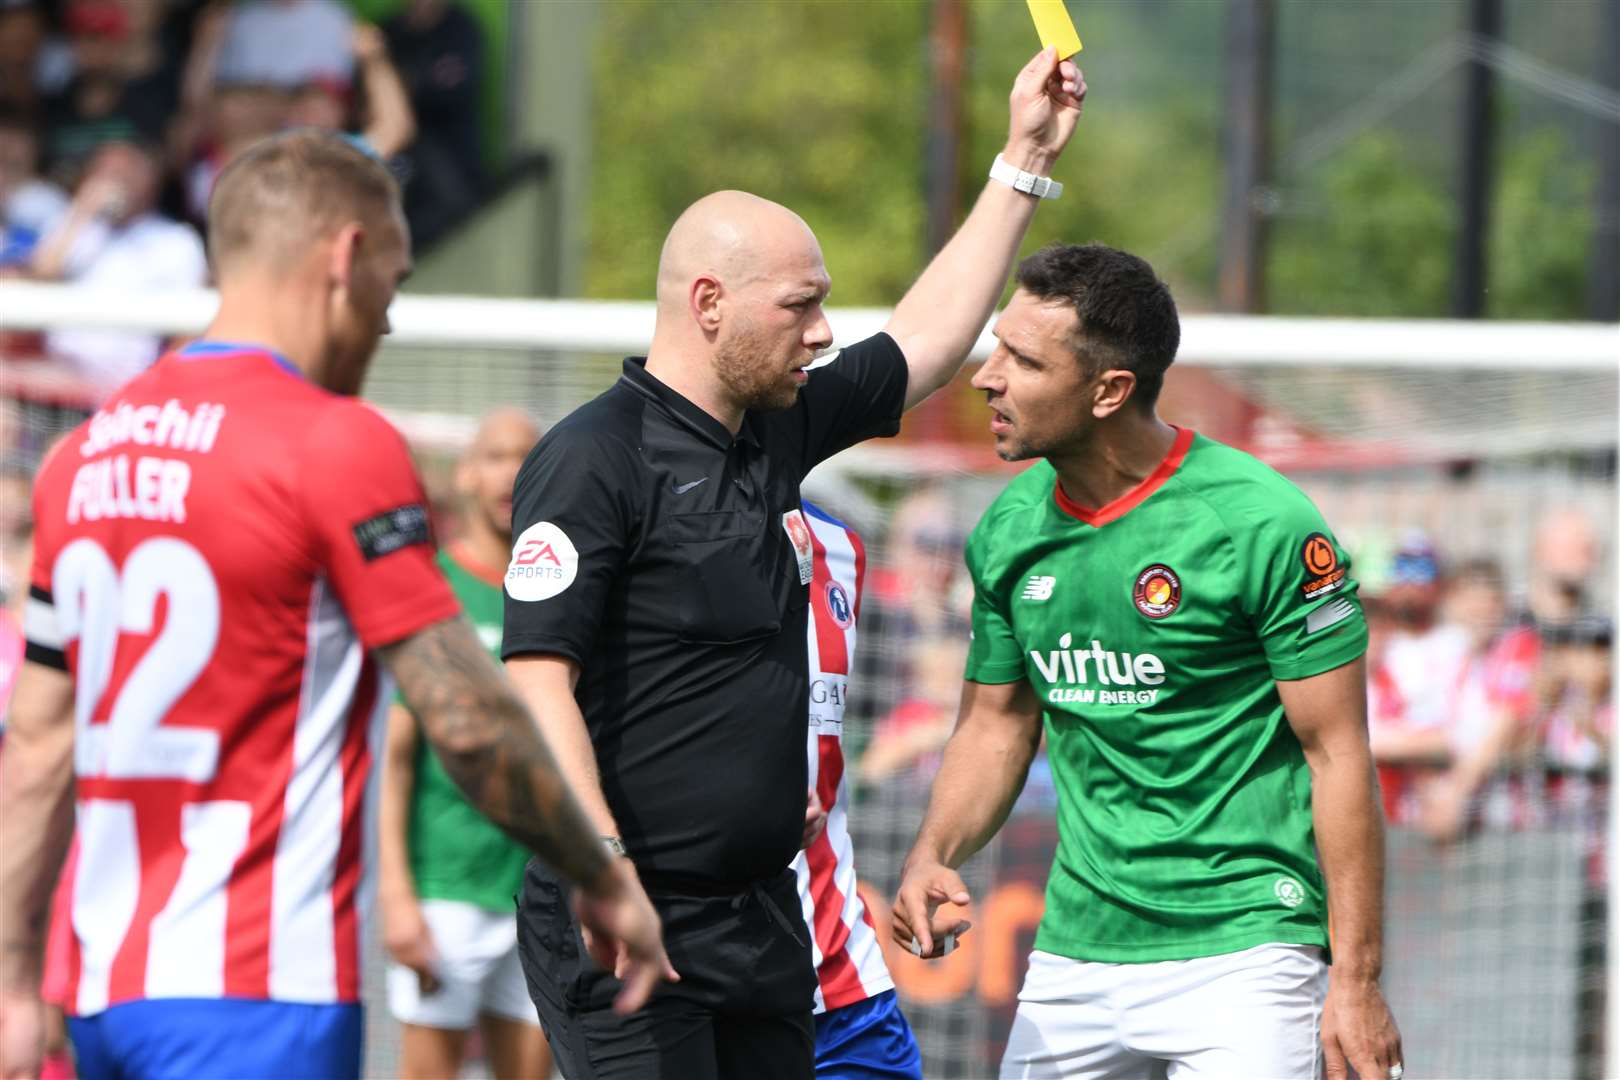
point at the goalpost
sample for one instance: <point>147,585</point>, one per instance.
<point>1471,431</point>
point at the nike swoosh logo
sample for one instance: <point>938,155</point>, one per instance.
<point>682,489</point>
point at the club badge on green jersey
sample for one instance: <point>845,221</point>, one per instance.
<point>1157,592</point>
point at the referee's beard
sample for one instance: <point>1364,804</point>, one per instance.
<point>757,371</point>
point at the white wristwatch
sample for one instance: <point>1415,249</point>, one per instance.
<point>1042,187</point>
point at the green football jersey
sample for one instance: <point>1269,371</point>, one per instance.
<point>1153,630</point>
<point>455,852</point>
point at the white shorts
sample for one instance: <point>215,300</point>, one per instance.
<point>479,971</point>
<point>1253,1013</point>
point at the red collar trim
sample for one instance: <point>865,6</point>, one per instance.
<point>489,575</point>
<point>1128,501</point>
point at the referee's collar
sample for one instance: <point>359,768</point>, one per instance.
<point>712,430</point>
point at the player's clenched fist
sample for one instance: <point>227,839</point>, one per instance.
<point>917,927</point>
<point>22,1035</point>
<point>622,933</point>
<point>1045,106</point>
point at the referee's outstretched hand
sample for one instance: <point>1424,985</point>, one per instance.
<point>917,927</point>
<point>622,934</point>
<point>1045,104</point>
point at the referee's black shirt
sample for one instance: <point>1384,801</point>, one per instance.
<point>654,549</point>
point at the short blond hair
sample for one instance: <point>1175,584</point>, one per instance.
<point>291,188</point>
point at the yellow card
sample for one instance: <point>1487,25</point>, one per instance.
<point>1052,22</point>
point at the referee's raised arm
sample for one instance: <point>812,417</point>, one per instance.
<point>940,317</point>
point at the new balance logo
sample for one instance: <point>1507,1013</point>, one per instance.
<point>1039,589</point>
<point>1329,614</point>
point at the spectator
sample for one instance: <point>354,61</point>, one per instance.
<point>385,125</point>
<point>915,595</point>
<point>439,51</point>
<point>1414,680</point>
<point>124,85</point>
<point>286,44</point>
<point>1490,722</point>
<point>22,37</point>
<point>912,736</point>
<point>28,203</point>
<point>112,236</point>
<point>1580,721</point>
<point>217,120</point>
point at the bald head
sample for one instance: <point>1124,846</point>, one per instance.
<point>489,468</point>
<point>288,190</point>
<point>505,426</point>
<point>735,237</point>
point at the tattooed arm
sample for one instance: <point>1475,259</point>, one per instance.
<point>36,823</point>
<point>491,747</point>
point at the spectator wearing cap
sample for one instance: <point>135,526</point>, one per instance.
<point>112,236</point>
<point>1415,679</point>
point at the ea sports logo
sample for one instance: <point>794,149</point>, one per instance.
<point>544,563</point>
<point>1157,592</point>
<point>838,605</point>
<point>535,551</point>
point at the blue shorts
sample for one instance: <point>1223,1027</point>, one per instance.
<point>218,1037</point>
<point>869,1040</point>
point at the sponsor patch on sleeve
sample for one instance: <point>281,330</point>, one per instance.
<point>544,563</point>
<point>393,529</point>
<point>1323,572</point>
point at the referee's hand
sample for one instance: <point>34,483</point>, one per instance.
<point>622,934</point>
<point>917,927</point>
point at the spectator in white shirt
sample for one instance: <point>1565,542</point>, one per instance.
<point>111,236</point>
<point>286,44</point>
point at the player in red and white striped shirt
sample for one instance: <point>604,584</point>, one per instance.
<point>226,555</point>
<point>860,1031</point>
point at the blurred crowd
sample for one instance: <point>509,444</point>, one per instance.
<point>1486,709</point>
<point>116,117</point>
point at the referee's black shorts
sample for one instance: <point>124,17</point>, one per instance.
<point>741,1010</point>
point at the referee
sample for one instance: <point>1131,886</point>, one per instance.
<point>656,603</point>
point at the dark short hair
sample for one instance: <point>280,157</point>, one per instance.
<point>1127,318</point>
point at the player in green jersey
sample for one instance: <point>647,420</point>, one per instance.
<point>1186,625</point>
<point>448,875</point>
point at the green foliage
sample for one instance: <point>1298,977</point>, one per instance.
<point>823,105</point>
<point>1368,234</point>
<point>1372,233</point>
<point>1541,231</point>
<point>818,106</point>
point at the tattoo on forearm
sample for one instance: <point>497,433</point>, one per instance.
<point>490,746</point>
